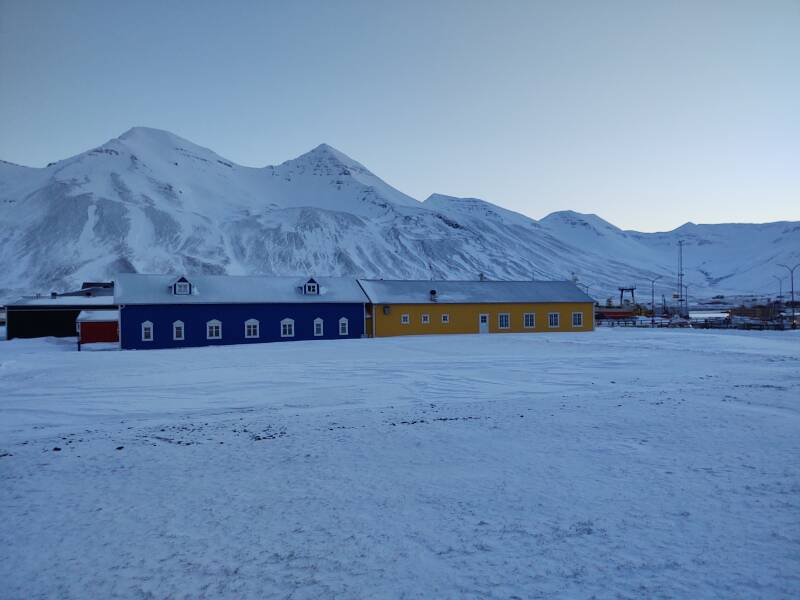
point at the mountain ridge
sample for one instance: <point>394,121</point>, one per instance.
<point>152,201</point>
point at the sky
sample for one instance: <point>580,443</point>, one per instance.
<point>649,114</point>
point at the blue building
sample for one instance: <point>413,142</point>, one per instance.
<point>163,311</point>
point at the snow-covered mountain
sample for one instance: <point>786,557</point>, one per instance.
<point>150,201</point>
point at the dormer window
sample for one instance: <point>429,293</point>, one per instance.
<point>311,288</point>
<point>182,287</point>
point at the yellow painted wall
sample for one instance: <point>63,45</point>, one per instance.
<point>464,318</point>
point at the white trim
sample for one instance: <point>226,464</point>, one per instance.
<point>148,326</point>
<point>175,337</point>
<point>405,319</point>
<point>250,323</point>
<point>182,288</point>
<point>525,320</point>
<point>550,320</point>
<point>321,323</point>
<point>214,323</point>
<point>577,314</point>
<point>500,317</point>
<point>445,318</point>
<point>287,328</point>
<point>346,323</point>
<point>425,318</point>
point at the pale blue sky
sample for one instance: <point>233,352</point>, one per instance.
<point>647,113</point>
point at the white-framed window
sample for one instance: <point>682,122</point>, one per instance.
<point>178,331</point>
<point>251,328</point>
<point>344,326</point>
<point>577,319</point>
<point>214,330</point>
<point>319,329</point>
<point>529,320</point>
<point>147,331</point>
<point>554,319</point>
<point>503,321</point>
<point>287,328</point>
<point>426,318</point>
<point>312,288</point>
<point>181,288</point>
<point>405,319</point>
<point>445,318</point>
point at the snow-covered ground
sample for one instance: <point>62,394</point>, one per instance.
<point>624,463</point>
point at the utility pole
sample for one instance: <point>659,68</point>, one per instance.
<point>686,300</point>
<point>680,273</point>
<point>653,300</point>
<point>780,288</point>
<point>791,274</point>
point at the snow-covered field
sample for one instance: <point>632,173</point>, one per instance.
<point>624,463</point>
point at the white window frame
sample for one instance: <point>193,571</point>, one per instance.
<point>321,323</point>
<point>425,318</point>
<point>312,289</point>
<point>525,320</point>
<point>550,320</point>
<point>148,326</point>
<point>175,336</point>
<point>346,323</point>
<point>580,318</point>
<point>445,318</point>
<point>250,323</point>
<point>209,325</point>
<point>182,288</point>
<point>287,328</point>
<point>405,319</point>
<point>507,317</point>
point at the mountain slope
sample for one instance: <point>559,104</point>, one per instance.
<point>150,201</point>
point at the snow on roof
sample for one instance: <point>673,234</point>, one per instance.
<point>383,291</point>
<point>234,289</point>
<point>64,301</point>
<point>97,316</point>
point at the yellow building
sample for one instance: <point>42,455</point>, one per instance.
<point>431,307</point>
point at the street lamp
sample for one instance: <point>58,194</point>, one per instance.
<point>686,300</point>
<point>653,300</point>
<point>791,274</point>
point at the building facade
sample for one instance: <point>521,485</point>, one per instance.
<point>159,311</point>
<point>439,307</point>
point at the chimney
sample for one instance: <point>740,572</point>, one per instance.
<point>433,294</point>
<point>481,277</point>
<point>53,295</point>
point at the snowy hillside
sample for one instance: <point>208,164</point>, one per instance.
<point>150,201</point>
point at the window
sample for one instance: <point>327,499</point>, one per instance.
<point>181,288</point>
<point>318,328</point>
<point>577,319</point>
<point>426,318</point>
<point>287,328</point>
<point>404,319</point>
<point>553,319</point>
<point>214,330</point>
<point>503,321</point>
<point>445,318</point>
<point>528,320</point>
<point>343,326</point>
<point>177,331</point>
<point>312,288</point>
<point>251,328</point>
<point>147,331</point>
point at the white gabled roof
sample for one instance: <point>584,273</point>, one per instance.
<point>66,301</point>
<point>131,288</point>
<point>385,291</point>
<point>98,316</point>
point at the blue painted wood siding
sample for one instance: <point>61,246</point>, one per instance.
<point>233,317</point>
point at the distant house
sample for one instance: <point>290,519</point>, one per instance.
<point>434,307</point>
<point>53,315</point>
<point>162,311</point>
